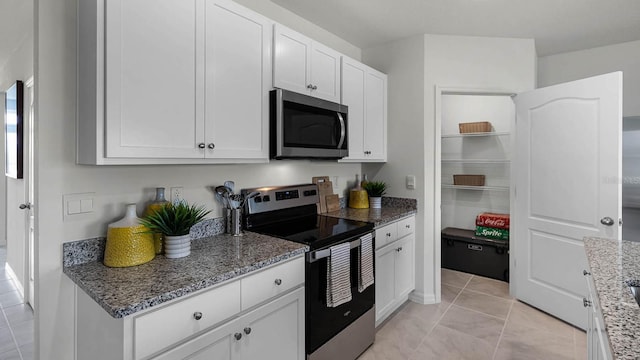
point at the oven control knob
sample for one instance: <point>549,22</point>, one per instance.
<point>278,281</point>
<point>238,336</point>
<point>247,330</point>
<point>197,315</point>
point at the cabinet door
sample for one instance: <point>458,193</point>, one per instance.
<point>276,330</point>
<point>325,72</point>
<point>353,78</point>
<point>404,279</point>
<point>291,60</point>
<point>375,124</point>
<point>238,80</point>
<point>150,63</point>
<point>218,344</point>
<point>385,280</point>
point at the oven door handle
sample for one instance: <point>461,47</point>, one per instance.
<point>321,254</point>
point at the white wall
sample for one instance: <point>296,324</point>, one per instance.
<point>625,57</point>
<point>18,67</point>
<point>415,68</point>
<point>57,174</point>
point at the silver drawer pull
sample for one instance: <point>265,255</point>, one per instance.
<point>585,272</point>
<point>585,302</point>
<point>247,330</point>
<point>388,234</point>
<point>238,336</point>
<point>278,281</point>
<point>408,226</point>
<point>197,315</point>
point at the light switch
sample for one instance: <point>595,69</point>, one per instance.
<point>411,182</point>
<point>78,206</point>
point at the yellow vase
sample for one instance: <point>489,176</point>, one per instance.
<point>358,199</point>
<point>157,204</point>
<point>128,242</point>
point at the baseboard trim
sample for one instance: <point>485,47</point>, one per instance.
<point>422,298</point>
<point>15,280</point>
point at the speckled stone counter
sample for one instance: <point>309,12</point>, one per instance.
<point>124,291</point>
<point>392,209</point>
<point>611,263</point>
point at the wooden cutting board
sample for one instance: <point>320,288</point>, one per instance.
<point>333,202</point>
<point>325,187</point>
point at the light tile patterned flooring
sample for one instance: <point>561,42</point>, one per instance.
<point>16,319</point>
<point>477,319</point>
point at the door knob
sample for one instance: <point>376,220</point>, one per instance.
<point>25,206</point>
<point>606,221</point>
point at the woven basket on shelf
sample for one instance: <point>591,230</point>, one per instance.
<point>468,180</point>
<point>475,127</point>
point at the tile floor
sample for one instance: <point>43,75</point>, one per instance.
<point>477,319</point>
<point>16,319</point>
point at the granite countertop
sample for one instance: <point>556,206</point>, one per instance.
<point>611,263</point>
<point>392,210</point>
<point>124,291</point>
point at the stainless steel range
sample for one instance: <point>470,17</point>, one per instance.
<point>339,330</point>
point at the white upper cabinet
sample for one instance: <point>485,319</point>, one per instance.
<point>238,80</point>
<point>181,82</point>
<point>150,86</point>
<point>364,91</point>
<point>305,66</point>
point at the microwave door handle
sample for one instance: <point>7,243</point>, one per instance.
<point>343,130</point>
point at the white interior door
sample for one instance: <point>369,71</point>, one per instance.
<point>29,192</point>
<point>567,173</point>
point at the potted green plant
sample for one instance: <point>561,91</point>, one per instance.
<point>174,221</point>
<point>375,190</point>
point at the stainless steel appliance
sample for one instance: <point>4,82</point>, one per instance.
<point>289,212</point>
<point>306,127</point>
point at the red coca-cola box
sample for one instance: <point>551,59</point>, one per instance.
<point>491,220</point>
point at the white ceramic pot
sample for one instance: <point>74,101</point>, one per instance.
<point>177,246</point>
<point>375,202</point>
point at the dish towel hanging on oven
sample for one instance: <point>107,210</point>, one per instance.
<point>339,275</point>
<point>365,263</point>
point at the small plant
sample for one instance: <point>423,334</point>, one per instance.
<point>376,188</point>
<point>174,219</point>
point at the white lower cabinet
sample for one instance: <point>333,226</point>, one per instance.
<point>395,271</point>
<point>597,338</point>
<point>260,315</point>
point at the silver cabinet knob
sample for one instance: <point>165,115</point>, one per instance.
<point>247,330</point>
<point>211,146</point>
<point>585,302</point>
<point>278,281</point>
<point>310,86</point>
<point>197,315</point>
<point>238,336</point>
<point>388,234</point>
<point>201,145</point>
<point>606,221</point>
<point>585,272</point>
<point>25,206</point>
<point>399,249</point>
<point>314,87</point>
<point>408,226</point>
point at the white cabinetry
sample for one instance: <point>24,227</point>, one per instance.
<point>597,338</point>
<point>260,315</point>
<point>364,91</point>
<point>170,82</point>
<point>485,154</point>
<point>395,272</point>
<point>305,66</point>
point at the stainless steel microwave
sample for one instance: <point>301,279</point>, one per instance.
<point>304,127</point>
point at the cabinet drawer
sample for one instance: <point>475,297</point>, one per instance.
<point>164,327</point>
<point>272,282</point>
<point>406,226</point>
<point>386,234</point>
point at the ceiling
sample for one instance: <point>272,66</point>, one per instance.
<point>556,25</point>
<point>16,21</point>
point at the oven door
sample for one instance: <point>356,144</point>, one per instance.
<point>306,127</point>
<point>322,322</point>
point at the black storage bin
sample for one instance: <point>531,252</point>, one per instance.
<point>463,251</point>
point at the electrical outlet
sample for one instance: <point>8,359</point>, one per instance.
<point>176,194</point>
<point>334,182</point>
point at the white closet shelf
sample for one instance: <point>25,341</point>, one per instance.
<point>477,161</point>
<point>477,188</point>
<point>479,134</point>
